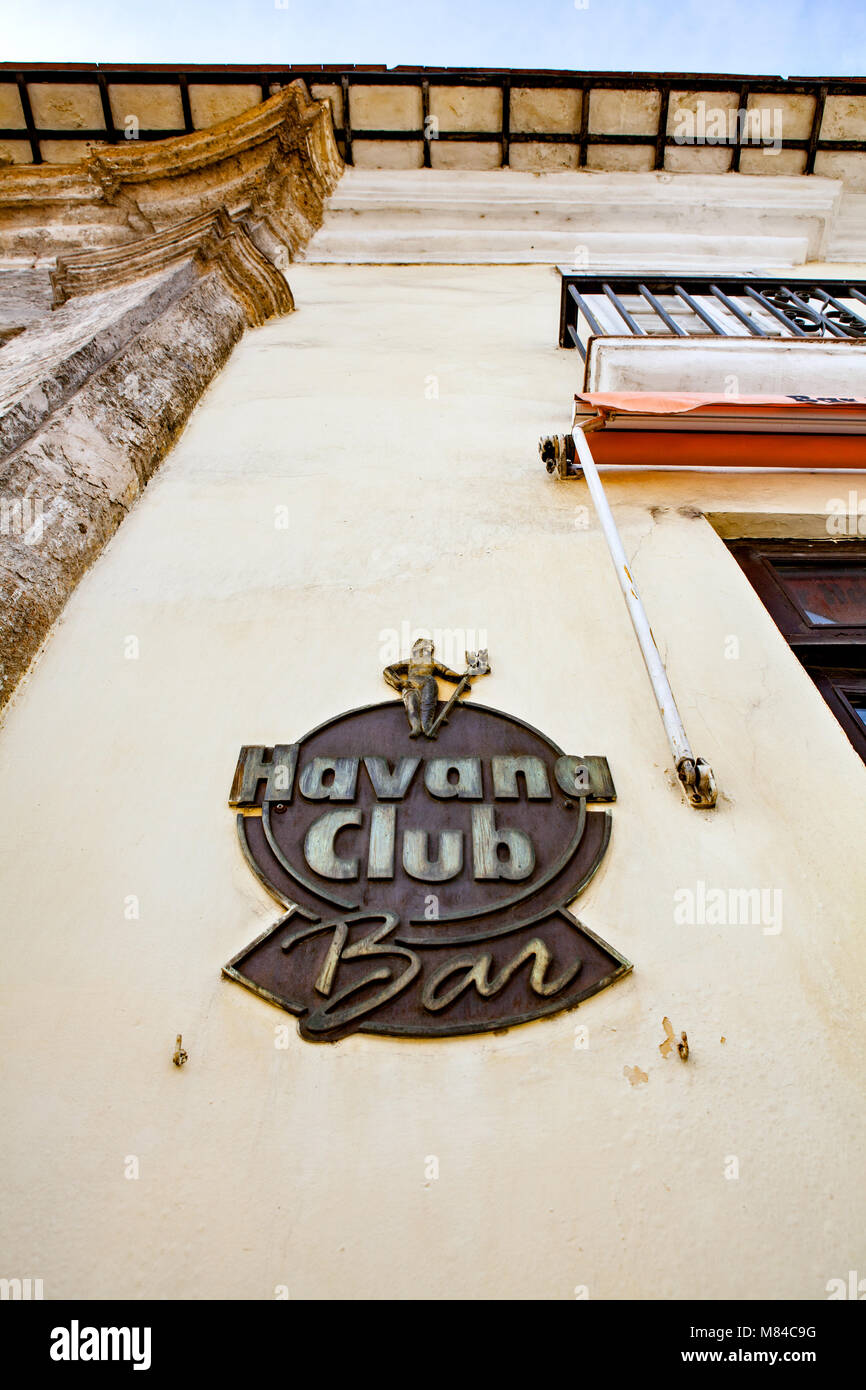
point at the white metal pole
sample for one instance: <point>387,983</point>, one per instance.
<point>695,774</point>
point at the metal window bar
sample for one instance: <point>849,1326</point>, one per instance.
<point>781,309</point>
<point>594,325</point>
<point>701,312</point>
<point>624,313</point>
<point>662,312</point>
<point>777,313</point>
<point>807,309</point>
<point>731,305</point>
<point>842,308</point>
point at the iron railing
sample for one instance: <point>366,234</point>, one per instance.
<point>701,306</point>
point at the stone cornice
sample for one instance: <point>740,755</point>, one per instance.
<point>159,254</point>
<point>280,155</point>
<point>213,240</point>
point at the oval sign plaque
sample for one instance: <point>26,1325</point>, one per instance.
<point>425,868</point>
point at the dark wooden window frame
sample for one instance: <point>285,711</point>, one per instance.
<point>834,657</point>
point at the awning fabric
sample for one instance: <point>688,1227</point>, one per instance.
<point>698,430</point>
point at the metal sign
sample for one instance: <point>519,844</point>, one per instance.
<point>425,884</point>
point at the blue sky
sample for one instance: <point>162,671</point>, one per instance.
<point>786,37</point>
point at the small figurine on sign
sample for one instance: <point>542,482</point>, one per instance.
<point>415,681</point>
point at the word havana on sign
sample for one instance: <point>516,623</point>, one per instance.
<point>424,884</point>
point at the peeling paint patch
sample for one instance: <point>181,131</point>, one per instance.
<point>634,1076</point>
<point>671,1041</point>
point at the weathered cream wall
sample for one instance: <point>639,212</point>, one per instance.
<point>306,1167</point>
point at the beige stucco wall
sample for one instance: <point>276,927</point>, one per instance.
<point>395,416</point>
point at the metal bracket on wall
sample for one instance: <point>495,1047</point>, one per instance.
<point>569,456</point>
<point>558,456</point>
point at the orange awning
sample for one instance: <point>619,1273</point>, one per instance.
<point>699,430</point>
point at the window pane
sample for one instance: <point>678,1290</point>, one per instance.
<point>829,597</point>
<point>858,704</point>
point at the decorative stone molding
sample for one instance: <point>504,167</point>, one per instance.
<point>213,239</point>
<point>159,256</point>
<point>272,167</point>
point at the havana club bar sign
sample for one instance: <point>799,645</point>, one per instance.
<point>424,857</point>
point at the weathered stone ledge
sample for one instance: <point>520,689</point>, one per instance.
<point>79,475</point>
<point>160,256</point>
<point>42,370</point>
